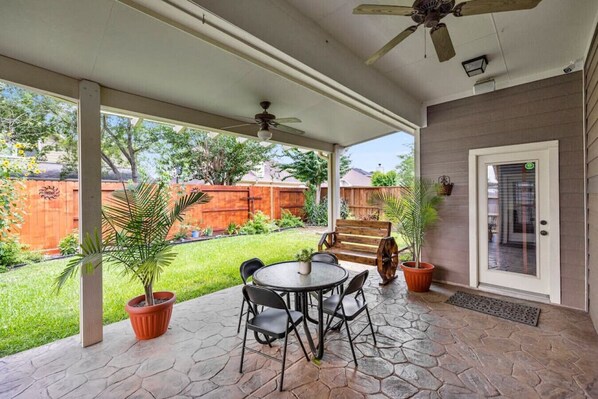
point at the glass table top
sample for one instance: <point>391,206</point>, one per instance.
<point>285,276</point>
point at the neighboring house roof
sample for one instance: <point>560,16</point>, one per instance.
<point>355,177</point>
<point>267,175</point>
<point>270,175</point>
<point>53,170</point>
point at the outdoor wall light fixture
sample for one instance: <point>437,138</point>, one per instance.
<point>475,66</point>
<point>445,187</point>
<point>264,133</point>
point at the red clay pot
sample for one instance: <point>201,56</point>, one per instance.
<point>151,321</point>
<point>418,280</point>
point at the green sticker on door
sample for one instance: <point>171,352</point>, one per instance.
<point>530,165</point>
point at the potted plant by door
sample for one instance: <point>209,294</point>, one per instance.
<point>136,224</point>
<point>412,214</point>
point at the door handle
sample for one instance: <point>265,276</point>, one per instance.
<point>543,233</point>
<point>543,222</point>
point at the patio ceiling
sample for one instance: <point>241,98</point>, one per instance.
<point>521,46</point>
<point>109,42</point>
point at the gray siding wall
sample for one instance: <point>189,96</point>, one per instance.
<point>591,87</point>
<point>550,109</point>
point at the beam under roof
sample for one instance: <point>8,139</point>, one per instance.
<point>66,87</point>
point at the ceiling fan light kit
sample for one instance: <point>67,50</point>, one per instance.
<point>429,13</point>
<point>475,66</point>
<point>266,120</point>
<point>264,134</point>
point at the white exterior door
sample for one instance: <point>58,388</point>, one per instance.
<point>517,218</point>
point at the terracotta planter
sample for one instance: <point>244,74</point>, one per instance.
<point>418,280</point>
<point>151,321</point>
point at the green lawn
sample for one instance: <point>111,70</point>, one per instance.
<point>32,314</point>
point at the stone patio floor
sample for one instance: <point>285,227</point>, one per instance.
<point>426,349</point>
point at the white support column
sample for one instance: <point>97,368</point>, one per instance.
<point>90,205</point>
<point>417,152</point>
<point>334,186</point>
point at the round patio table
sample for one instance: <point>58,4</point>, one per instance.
<point>285,276</point>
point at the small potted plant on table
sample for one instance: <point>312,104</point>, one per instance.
<point>136,224</point>
<point>304,259</point>
<point>412,214</point>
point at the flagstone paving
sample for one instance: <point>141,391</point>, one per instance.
<point>426,349</point>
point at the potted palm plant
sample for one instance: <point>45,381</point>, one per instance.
<point>135,228</point>
<point>412,214</point>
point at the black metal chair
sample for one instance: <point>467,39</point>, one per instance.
<point>324,257</point>
<point>275,321</point>
<point>247,269</point>
<point>348,308</point>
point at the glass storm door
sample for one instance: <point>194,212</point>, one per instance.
<point>514,216</point>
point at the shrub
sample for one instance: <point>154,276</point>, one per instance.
<point>232,228</point>
<point>69,245</point>
<point>258,224</point>
<point>317,215</point>
<point>287,219</point>
<point>12,253</point>
<point>181,234</point>
<point>208,231</point>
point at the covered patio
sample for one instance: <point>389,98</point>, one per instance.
<point>208,64</point>
<point>426,349</point>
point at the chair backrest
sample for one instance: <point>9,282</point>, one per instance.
<point>263,297</point>
<point>356,283</point>
<point>249,267</point>
<point>325,257</point>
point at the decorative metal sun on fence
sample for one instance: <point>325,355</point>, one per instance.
<point>49,192</point>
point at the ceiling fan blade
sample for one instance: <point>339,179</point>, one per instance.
<point>476,7</point>
<point>442,43</point>
<point>377,9</point>
<point>391,44</point>
<point>287,129</point>
<point>234,126</point>
<point>287,120</point>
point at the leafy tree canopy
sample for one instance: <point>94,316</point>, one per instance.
<point>406,168</point>
<point>309,168</point>
<point>388,179</point>
<point>219,160</point>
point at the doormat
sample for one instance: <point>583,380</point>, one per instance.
<point>495,307</point>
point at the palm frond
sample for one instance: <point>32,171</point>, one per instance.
<point>135,226</point>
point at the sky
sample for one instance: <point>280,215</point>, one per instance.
<point>384,150</point>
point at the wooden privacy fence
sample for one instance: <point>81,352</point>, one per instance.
<point>52,208</point>
<point>358,199</point>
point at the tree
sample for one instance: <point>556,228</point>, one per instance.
<point>406,168</point>
<point>43,123</point>
<point>14,167</point>
<point>38,122</point>
<point>219,160</point>
<point>388,179</point>
<point>311,169</point>
<point>123,142</point>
